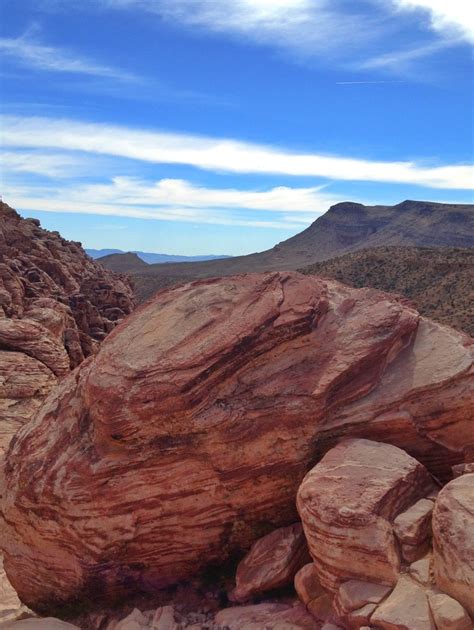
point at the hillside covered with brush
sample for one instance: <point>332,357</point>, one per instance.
<point>439,280</point>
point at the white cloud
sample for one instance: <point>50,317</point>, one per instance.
<point>302,27</point>
<point>181,193</point>
<point>220,154</point>
<point>182,215</point>
<point>28,53</point>
<point>402,61</point>
<point>335,30</point>
<point>177,200</point>
<point>54,165</point>
<point>451,18</point>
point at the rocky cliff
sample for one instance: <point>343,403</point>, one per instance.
<point>56,305</point>
<point>187,435</point>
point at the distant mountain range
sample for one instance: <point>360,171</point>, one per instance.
<point>344,228</point>
<point>152,258</point>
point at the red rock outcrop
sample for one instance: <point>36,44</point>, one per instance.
<point>348,503</point>
<point>193,426</point>
<point>56,304</point>
<point>453,540</point>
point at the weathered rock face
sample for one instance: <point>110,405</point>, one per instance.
<point>348,503</point>
<point>56,304</point>
<point>453,540</point>
<point>193,426</point>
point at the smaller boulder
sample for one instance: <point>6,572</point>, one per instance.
<point>347,504</point>
<point>307,584</point>
<point>462,469</point>
<point>412,553</point>
<point>355,594</point>
<point>421,570</point>
<point>44,623</point>
<point>453,540</point>
<point>356,618</point>
<point>271,563</point>
<point>266,615</point>
<point>448,614</point>
<point>413,526</point>
<point>407,608</point>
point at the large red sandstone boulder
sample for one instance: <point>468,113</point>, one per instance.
<point>453,540</point>
<point>348,503</point>
<point>194,425</point>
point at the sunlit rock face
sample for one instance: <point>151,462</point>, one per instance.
<point>186,437</point>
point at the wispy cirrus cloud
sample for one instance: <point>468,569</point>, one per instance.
<point>402,60</point>
<point>65,201</point>
<point>26,52</point>
<point>184,194</point>
<point>345,33</point>
<point>221,154</point>
<point>49,165</point>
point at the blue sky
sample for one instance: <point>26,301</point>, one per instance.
<point>226,126</point>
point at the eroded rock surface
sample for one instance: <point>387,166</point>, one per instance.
<point>193,426</point>
<point>453,540</point>
<point>56,304</point>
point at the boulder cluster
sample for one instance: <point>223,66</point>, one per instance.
<point>304,427</point>
<point>56,305</point>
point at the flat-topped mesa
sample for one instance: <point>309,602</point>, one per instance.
<point>186,437</point>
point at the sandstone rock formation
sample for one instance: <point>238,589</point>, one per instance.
<point>56,304</point>
<point>348,503</point>
<point>453,540</point>
<point>192,428</point>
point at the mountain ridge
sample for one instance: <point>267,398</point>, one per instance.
<point>152,257</point>
<point>344,228</point>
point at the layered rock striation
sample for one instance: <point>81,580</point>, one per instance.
<point>186,437</point>
<point>56,305</point>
